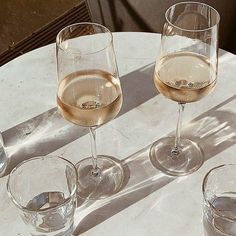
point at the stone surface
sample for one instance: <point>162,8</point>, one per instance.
<point>151,203</point>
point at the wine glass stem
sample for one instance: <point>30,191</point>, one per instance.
<point>95,171</point>
<point>176,149</point>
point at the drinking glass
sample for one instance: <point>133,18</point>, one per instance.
<point>44,191</point>
<point>219,206</point>
<point>185,72</point>
<point>89,94</point>
<point>3,157</point>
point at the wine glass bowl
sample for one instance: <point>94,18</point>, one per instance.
<point>185,72</point>
<point>89,98</point>
<point>185,77</point>
<point>89,95</point>
<point>89,92</point>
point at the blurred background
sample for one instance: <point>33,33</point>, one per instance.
<point>29,24</point>
<point>20,18</point>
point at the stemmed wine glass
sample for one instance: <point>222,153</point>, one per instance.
<point>89,95</point>
<point>185,72</point>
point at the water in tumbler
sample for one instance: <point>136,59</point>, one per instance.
<point>43,220</point>
<point>220,218</point>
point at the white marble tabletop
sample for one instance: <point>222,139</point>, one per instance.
<point>151,203</point>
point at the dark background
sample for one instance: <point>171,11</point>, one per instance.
<point>20,18</point>
<point>148,15</point>
<point>28,24</point>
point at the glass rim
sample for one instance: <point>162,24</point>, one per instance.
<point>40,158</point>
<point>110,42</point>
<point>193,30</point>
<point>204,182</point>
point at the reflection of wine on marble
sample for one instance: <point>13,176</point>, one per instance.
<point>184,77</point>
<point>222,220</point>
<point>89,98</point>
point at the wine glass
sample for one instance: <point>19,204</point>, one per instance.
<point>89,95</point>
<point>185,72</point>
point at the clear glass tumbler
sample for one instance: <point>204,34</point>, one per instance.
<point>219,208</point>
<point>3,157</point>
<point>44,191</point>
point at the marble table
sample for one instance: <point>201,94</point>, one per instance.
<point>151,203</point>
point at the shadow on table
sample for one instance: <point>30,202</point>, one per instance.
<point>214,130</point>
<point>39,136</point>
<point>48,132</point>
<point>143,180</point>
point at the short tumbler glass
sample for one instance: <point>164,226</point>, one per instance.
<point>44,191</point>
<point>219,192</point>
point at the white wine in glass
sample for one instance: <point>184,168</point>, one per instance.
<point>185,77</point>
<point>185,72</point>
<point>89,98</point>
<point>89,94</point>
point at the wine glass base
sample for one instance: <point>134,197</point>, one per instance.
<point>188,159</point>
<point>106,183</point>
